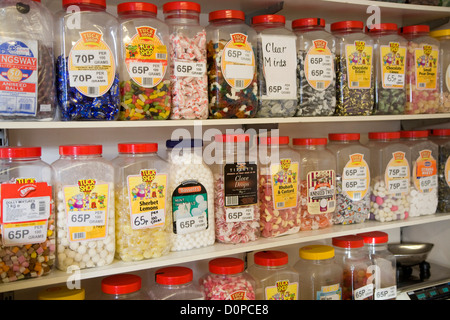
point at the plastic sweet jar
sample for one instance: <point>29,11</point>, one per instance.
<point>384,267</point>
<point>423,70</point>
<point>175,283</point>
<point>232,74</point>
<point>391,175</point>
<point>317,183</point>
<point>389,68</point>
<point>27,42</point>
<point>143,63</point>
<point>187,60</point>
<point>123,287</point>
<point>279,187</point>
<point>424,172</point>
<point>444,38</point>
<point>87,73</point>
<point>315,68</point>
<point>227,279</point>
<point>84,198</point>
<point>191,192</point>
<point>352,178</point>
<point>275,278</point>
<point>62,293</point>
<point>27,246</point>
<point>236,176</point>
<point>355,261</point>
<point>142,203</point>
<point>320,275</point>
<point>441,137</point>
<point>354,69</point>
<point>277,67</point>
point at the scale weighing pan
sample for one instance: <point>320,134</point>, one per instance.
<point>410,253</point>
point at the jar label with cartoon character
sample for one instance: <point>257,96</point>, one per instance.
<point>147,194</point>
<point>282,290</point>
<point>319,65</point>
<point>285,184</point>
<point>321,191</point>
<point>189,208</point>
<point>392,61</point>
<point>425,172</point>
<point>426,65</point>
<point>397,174</point>
<point>359,65</point>
<point>25,210</point>
<point>356,177</point>
<point>330,292</point>
<point>87,210</point>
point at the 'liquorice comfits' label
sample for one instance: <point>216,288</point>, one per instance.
<point>147,194</point>
<point>91,65</point>
<point>319,65</point>
<point>238,61</point>
<point>393,58</point>
<point>397,174</point>
<point>285,184</point>
<point>321,193</point>
<point>18,76</point>
<point>87,210</point>
<point>282,290</point>
<point>25,210</point>
<point>359,65</point>
<point>146,57</point>
<point>356,177</point>
<point>426,63</point>
<point>425,172</point>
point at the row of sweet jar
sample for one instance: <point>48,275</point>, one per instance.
<point>354,267</point>
<point>182,70</point>
<point>141,206</point>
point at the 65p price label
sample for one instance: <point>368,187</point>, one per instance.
<point>239,214</point>
<point>24,233</point>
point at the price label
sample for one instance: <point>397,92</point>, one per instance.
<point>189,69</point>
<point>23,233</point>
<point>89,78</point>
<point>398,172</point>
<point>86,218</point>
<point>193,224</point>
<point>149,70</point>
<point>428,182</point>
<point>385,293</point>
<point>83,58</point>
<point>394,80</point>
<point>238,56</point>
<point>239,214</point>
<point>320,67</point>
<point>363,292</point>
<point>398,186</point>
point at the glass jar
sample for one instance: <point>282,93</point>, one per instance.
<point>123,287</point>
<point>317,183</point>
<point>354,67</point>
<point>275,279</point>
<point>27,246</point>
<point>143,208</point>
<point>62,293</point>
<point>384,266</point>
<point>227,280</point>
<point>315,68</point>
<point>390,171</point>
<point>422,70</point>
<point>87,77</point>
<point>352,178</point>
<point>27,35</point>
<point>236,190</point>
<point>187,59</point>
<point>355,261</point>
<point>424,172</point>
<point>84,196</point>
<point>192,192</point>
<point>232,75</point>
<point>175,283</point>
<point>389,68</point>
<point>444,39</point>
<point>320,275</point>
<point>143,57</point>
<point>277,67</point>
<point>441,137</point>
<point>279,187</point>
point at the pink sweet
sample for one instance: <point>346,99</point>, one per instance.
<point>379,200</point>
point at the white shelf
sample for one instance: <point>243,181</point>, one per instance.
<point>219,250</point>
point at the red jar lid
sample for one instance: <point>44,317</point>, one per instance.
<point>137,147</point>
<point>384,135</point>
<point>20,152</point>
<point>274,140</point>
<point>181,5</point>
<point>374,237</point>
<point>415,29</point>
<point>136,6</point>
<point>227,14</point>
<point>308,22</point>
<point>344,136</point>
<point>226,265</point>
<point>309,141</point>
<point>350,24</point>
<point>379,27</point>
<point>80,149</point>
<point>121,284</point>
<point>173,275</point>
<point>269,18</point>
<point>440,132</point>
<point>232,138</point>
<point>67,3</point>
<point>271,258</point>
<point>351,241</point>
<point>414,134</point>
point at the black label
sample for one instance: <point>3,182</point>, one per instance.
<point>241,184</point>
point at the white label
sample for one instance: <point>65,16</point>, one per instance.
<point>428,182</point>
<point>320,67</point>
<point>89,78</point>
<point>239,214</point>
<point>385,293</point>
<point>397,172</point>
<point>398,186</point>
<point>238,56</point>
<point>393,79</point>
<point>280,65</point>
<point>26,209</point>
<point>192,224</point>
<point>239,72</point>
<point>83,58</point>
<point>189,69</point>
<point>363,292</point>
<point>14,235</point>
<point>146,69</point>
<point>87,218</point>
<point>147,219</point>
<point>354,185</point>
